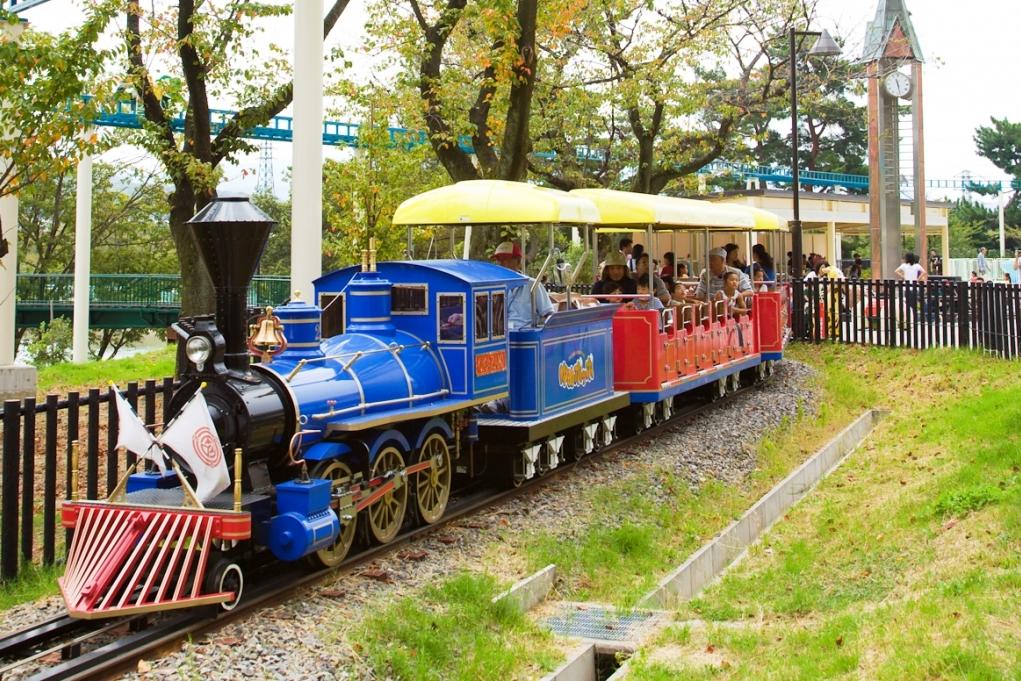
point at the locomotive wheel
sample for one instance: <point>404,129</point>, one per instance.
<point>226,575</point>
<point>387,515</point>
<point>432,486</point>
<point>337,473</point>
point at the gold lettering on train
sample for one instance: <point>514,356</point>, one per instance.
<point>580,373</point>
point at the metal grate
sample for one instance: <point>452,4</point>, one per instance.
<point>598,623</point>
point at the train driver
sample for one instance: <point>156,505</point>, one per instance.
<point>519,308</point>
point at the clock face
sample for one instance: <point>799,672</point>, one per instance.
<point>897,84</point>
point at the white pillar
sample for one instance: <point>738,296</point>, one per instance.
<point>82,259</point>
<point>307,163</point>
<point>8,277</point>
<point>831,243</point>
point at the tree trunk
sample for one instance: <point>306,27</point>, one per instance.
<point>517,142</point>
<point>197,296</point>
<point>642,184</point>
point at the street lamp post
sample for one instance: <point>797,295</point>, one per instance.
<point>824,47</point>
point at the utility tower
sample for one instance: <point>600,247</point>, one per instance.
<point>893,59</point>
<point>264,176</point>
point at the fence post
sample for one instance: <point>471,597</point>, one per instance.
<point>113,470</point>
<point>963,320</point>
<point>10,481</point>
<point>50,482</point>
<point>92,453</point>
<point>72,436</point>
<point>28,478</point>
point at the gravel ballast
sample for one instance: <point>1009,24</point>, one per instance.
<point>297,639</point>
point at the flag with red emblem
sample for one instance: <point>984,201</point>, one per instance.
<point>192,435</point>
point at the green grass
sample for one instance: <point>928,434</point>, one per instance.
<point>454,631</point>
<point>33,582</point>
<point>61,378</point>
<point>634,537</point>
<point>903,564</point>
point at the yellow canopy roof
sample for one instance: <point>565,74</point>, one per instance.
<point>494,202</point>
<point>626,209</point>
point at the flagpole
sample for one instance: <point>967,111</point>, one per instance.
<point>144,456</point>
<point>119,490</point>
<point>169,423</point>
<point>189,493</point>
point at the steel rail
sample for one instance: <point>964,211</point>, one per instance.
<point>127,650</point>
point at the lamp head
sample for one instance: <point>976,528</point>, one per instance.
<point>825,46</point>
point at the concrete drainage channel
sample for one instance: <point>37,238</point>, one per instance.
<point>610,636</point>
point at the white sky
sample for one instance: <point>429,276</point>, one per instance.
<point>970,50</point>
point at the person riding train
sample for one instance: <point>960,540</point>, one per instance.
<point>711,281</point>
<point>642,275</point>
<point>519,307</point>
<point>614,270</point>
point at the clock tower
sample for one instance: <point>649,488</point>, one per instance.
<point>893,59</point>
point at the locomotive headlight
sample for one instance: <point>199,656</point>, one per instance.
<point>198,349</point>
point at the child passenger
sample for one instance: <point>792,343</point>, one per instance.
<point>760,281</point>
<point>645,301</point>
<point>735,300</point>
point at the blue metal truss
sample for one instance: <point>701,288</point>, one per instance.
<point>337,133</point>
<point>21,5</point>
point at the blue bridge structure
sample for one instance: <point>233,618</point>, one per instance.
<point>339,133</point>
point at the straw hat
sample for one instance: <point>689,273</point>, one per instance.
<point>615,258</point>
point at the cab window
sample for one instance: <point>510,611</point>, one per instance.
<point>451,317</point>
<point>481,317</point>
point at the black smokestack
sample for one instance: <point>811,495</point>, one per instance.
<point>231,234</point>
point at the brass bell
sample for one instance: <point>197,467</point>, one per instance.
<point>266,333</point>
<point>267,339</point>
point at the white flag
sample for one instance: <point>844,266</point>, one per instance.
<point>133,436</point>
<point>193,436</point>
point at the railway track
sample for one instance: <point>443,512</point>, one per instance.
<point>71,638</point>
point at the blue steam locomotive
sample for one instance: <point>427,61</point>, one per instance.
<point>362,416</point>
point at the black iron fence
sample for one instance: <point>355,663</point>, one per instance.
<point>37,442</point>
<point>940,312</point>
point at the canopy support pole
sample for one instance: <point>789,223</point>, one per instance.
<point>537,282</point>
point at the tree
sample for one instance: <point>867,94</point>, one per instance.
<point>475,67</point>
<point>129,234</point>
<point>363,191</point>
<point>129,226</point>
<point>677,83</point>
<point>1001,144</point>
<point>42,109</point>
<point>208,45</point>
<point>276,259</point>
<point>833,124</point>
